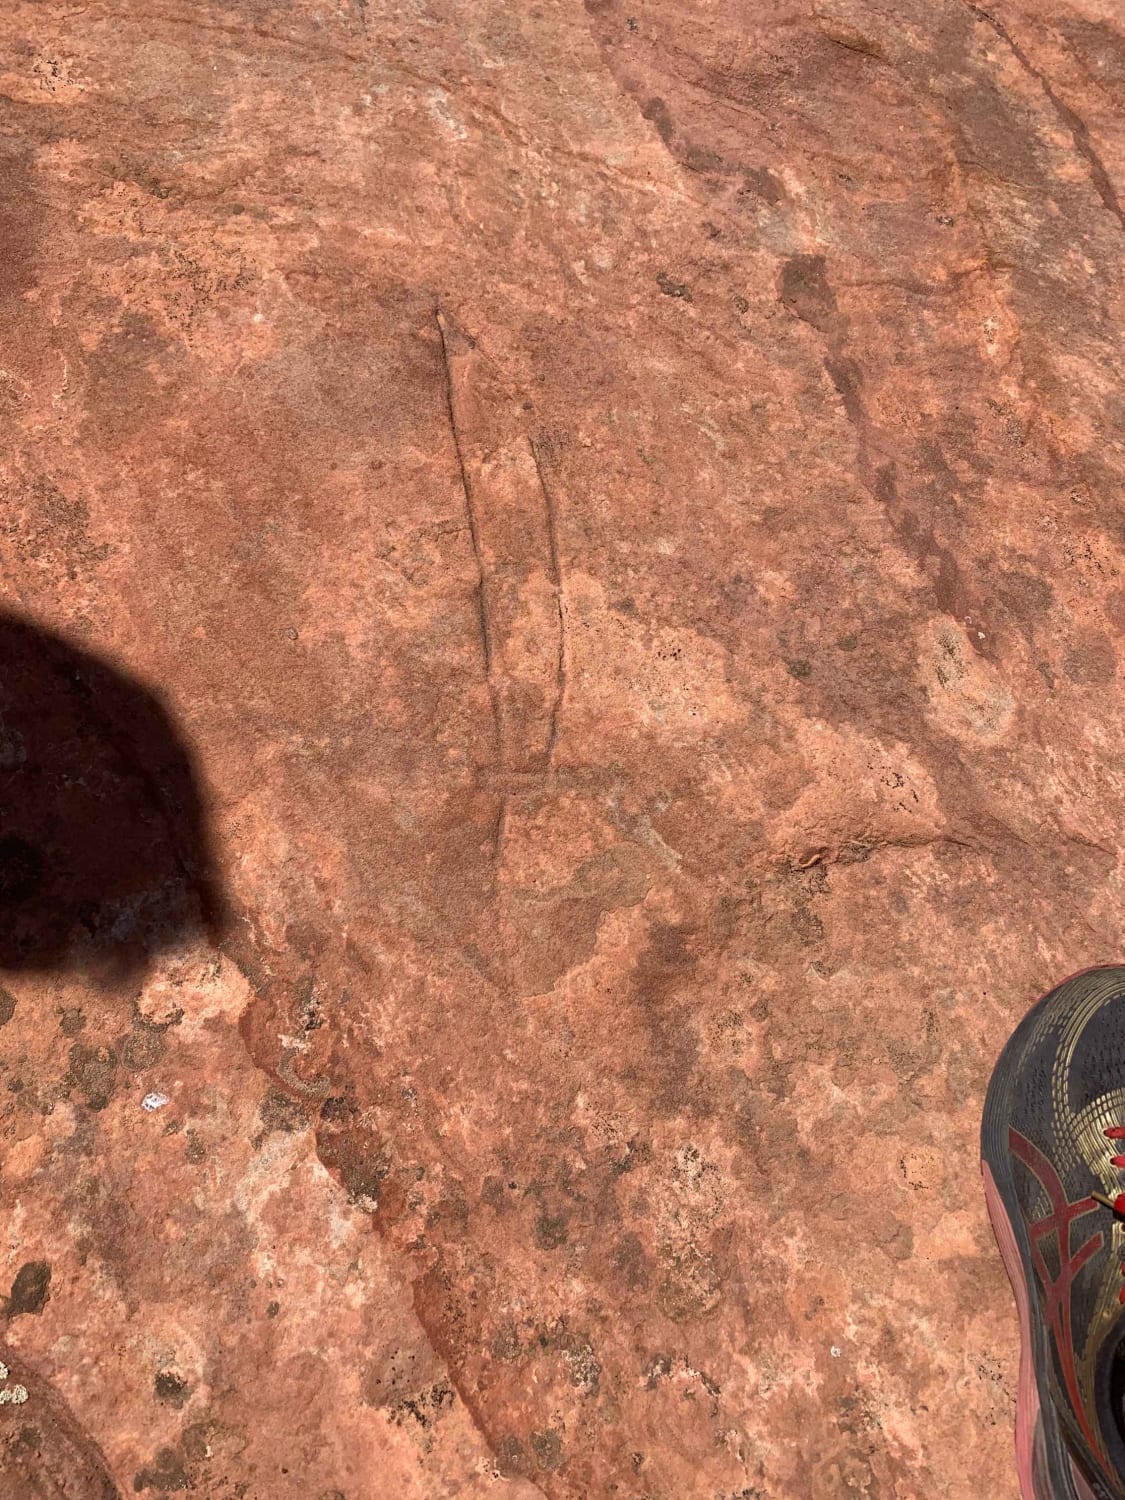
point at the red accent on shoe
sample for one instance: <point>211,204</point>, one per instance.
<point>1115,1133</point>
<point>1057,1288</point>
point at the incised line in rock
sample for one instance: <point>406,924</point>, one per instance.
<point>474,532</point>
<point>556,578</point>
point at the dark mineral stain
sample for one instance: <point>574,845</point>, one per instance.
<point>423,1406</point>
<point>171,1389</point>
<point>847,377</point>
<point>1025,594</point>
<point>667,961</point>
<point>1091,662</point>
<point>758,182</point>
<point>143,1047</point>
<point>511,1459</point>
<point>630,1261</point>
<point>31,1289</point>
<point>166,1473</point>
<point>18,229</point>
<point>492,1193</point>
<point>705,161</point>
<point>550,1231</point>
<point>93,1072</point>
<point>357,1154</point>
<point>935,560</point>
<point>7,1006</point>
<point>803,288</point>
<point>657,111</point>
<point>506,1345</point>
<point>547,1447</point>
<point>672,288</point>
<point>278,1112</point>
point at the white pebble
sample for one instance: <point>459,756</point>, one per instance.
<point>14,1395</point>
<point>154,1101</point>
<point>834,1351</point>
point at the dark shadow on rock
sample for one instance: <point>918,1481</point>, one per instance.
<point>104,855</point>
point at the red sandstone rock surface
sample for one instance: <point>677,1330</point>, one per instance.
<point>623,505</point>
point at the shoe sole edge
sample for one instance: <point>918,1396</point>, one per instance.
<point>1027,1400</point>
<point>1062,1482</point>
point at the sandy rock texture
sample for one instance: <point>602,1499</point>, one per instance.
<point>620,507</point>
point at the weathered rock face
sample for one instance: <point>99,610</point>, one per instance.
<point>621,508</point>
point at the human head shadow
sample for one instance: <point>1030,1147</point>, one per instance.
<point>104,856</point>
